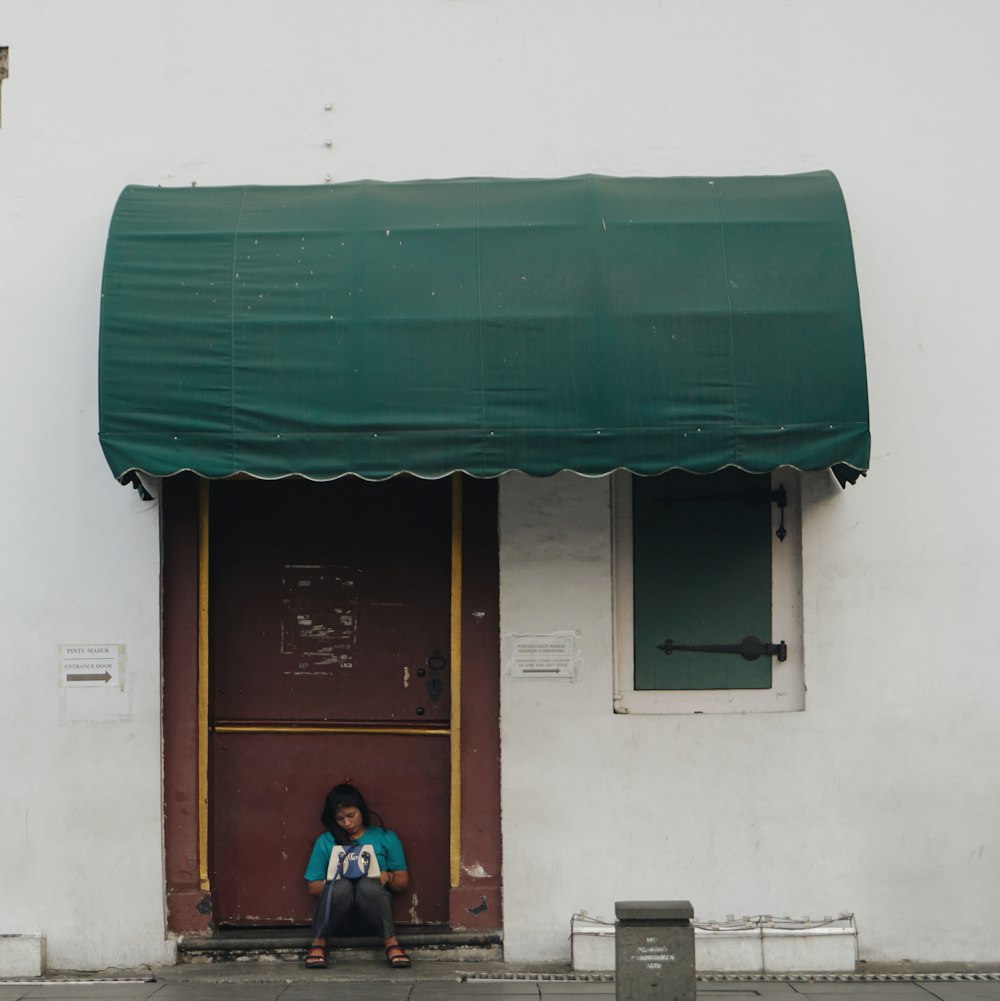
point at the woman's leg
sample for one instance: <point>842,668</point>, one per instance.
<point>316,953</point>
<point>332,909</point>
<point>365,897</point>
<point>375,907</point>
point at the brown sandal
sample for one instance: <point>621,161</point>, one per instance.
<point>398,959</point>
<point>316,957</point>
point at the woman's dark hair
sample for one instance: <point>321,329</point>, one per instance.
<point>338,798</point>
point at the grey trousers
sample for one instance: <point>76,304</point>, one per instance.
<point>347,899</point>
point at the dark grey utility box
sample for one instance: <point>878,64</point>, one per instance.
<point>654,950</point>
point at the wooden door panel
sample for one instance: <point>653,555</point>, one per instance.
<point>282,803</point>
<point>328,600</point>
<point>329,604</point>
<point>268,792</point>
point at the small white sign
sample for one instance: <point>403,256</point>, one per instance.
<point>89,664</point>
<point>552,656</point>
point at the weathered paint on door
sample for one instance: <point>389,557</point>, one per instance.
<point>330,612</point>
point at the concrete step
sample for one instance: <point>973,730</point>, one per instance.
<point>290,944</point>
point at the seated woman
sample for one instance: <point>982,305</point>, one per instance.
<point>347,820</point>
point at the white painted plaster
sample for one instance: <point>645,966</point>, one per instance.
<point>22,955</point>
<point>880,797</point>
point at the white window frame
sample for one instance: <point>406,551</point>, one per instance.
<point>787,691</point>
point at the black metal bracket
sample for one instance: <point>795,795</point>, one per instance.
<point>749,648</point>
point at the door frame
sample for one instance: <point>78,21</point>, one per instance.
<point>473,731</point>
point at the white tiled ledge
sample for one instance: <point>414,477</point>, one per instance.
<point>22,955</point>
<point>750,945</point>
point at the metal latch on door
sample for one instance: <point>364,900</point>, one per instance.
<point>749,648</point>
<point>435,684</point>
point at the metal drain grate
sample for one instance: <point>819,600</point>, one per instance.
<point>49,981</point>
<point>582,978</point>
<point>842,978</point>
<point>729,978</point>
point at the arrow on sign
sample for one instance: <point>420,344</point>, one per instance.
<point>105,677</point>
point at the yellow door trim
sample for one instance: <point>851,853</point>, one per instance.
<point>405,731</point>
<point>203,506</point>
<point>456,679</point>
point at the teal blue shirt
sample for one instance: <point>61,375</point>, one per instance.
<point>388,851</point>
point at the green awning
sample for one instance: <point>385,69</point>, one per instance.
<point>590,323</point>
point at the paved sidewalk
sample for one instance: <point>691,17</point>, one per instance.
<point>442,981</point>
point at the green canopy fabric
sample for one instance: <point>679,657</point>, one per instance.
<point>588,323</point>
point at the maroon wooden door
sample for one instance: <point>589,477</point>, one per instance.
<point>329,662</point>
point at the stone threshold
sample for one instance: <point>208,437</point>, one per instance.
<point>249,944</point>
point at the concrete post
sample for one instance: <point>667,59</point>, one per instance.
<point>654,950</point>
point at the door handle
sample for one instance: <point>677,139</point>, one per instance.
<point>749,648</point>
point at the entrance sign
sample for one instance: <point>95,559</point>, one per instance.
<point>551,656</point>
<point>89,664</point>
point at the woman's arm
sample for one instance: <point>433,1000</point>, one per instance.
<point>315,886</point>
<point>397,880</point>
<point>394,875</point>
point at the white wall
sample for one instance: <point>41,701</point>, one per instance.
<point>874,800</point>
<point>880,798</point>
<point>888,777</point>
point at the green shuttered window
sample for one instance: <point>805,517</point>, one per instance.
<point>702,576</point>
<point>698,562</point>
